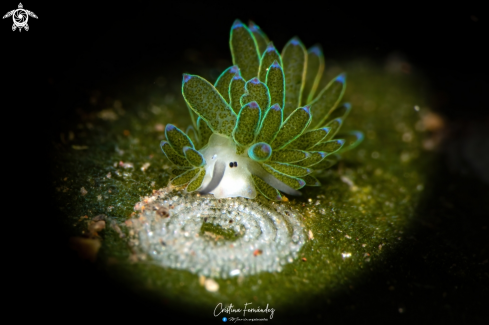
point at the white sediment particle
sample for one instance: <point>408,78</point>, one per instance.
<point>345,255</point>
<point>145,166</point>
<point>311,235</point>
<point>126,164</point>
<point>211,285</point>
<point>348,181</point>
<point>271,229</point>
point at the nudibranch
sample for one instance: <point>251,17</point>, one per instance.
<point>261,128</point>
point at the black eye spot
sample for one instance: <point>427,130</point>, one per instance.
<point>231,164</point>
<point>235,164</point>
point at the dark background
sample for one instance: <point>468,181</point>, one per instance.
<point>93,44</point>
<point>75,47</point>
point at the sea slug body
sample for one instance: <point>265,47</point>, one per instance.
<point>263,127</point>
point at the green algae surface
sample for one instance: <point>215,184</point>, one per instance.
<point>355,221</point>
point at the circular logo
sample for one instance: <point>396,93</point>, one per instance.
<point>20,17</point>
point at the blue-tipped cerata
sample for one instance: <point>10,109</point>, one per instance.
<point>253,105</point>
<point>253,27</point>
<point>275,107</point>
<point>236,147</point>
<point>275,64</point>
<point>186,77</point>
<point>315,50</point>
<point>237,23</point>
<point>341,78</point>
<point>295,41</point>
<point>255,81</point>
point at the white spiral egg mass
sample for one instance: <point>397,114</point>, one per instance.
<point>260,236</point>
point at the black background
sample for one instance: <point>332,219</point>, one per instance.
<point>91,44</point>
<point>73,47</point>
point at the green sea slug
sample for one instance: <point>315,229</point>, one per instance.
<point>263,126</point>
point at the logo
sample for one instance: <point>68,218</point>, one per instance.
<point>20,17</point>
<point>248,311</point>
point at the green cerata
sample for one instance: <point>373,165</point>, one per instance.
<point>262,127</point>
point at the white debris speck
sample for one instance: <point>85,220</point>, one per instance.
<point>145,166</point>
<point>83,191</point>
<point>234,272</point>
<point>346,180</point>
<point>345,255</point>
<point>126,164</point>
<point>311,235</point>
<point>211,285</point>
<point>109,175</point>
<point>99,197</point>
